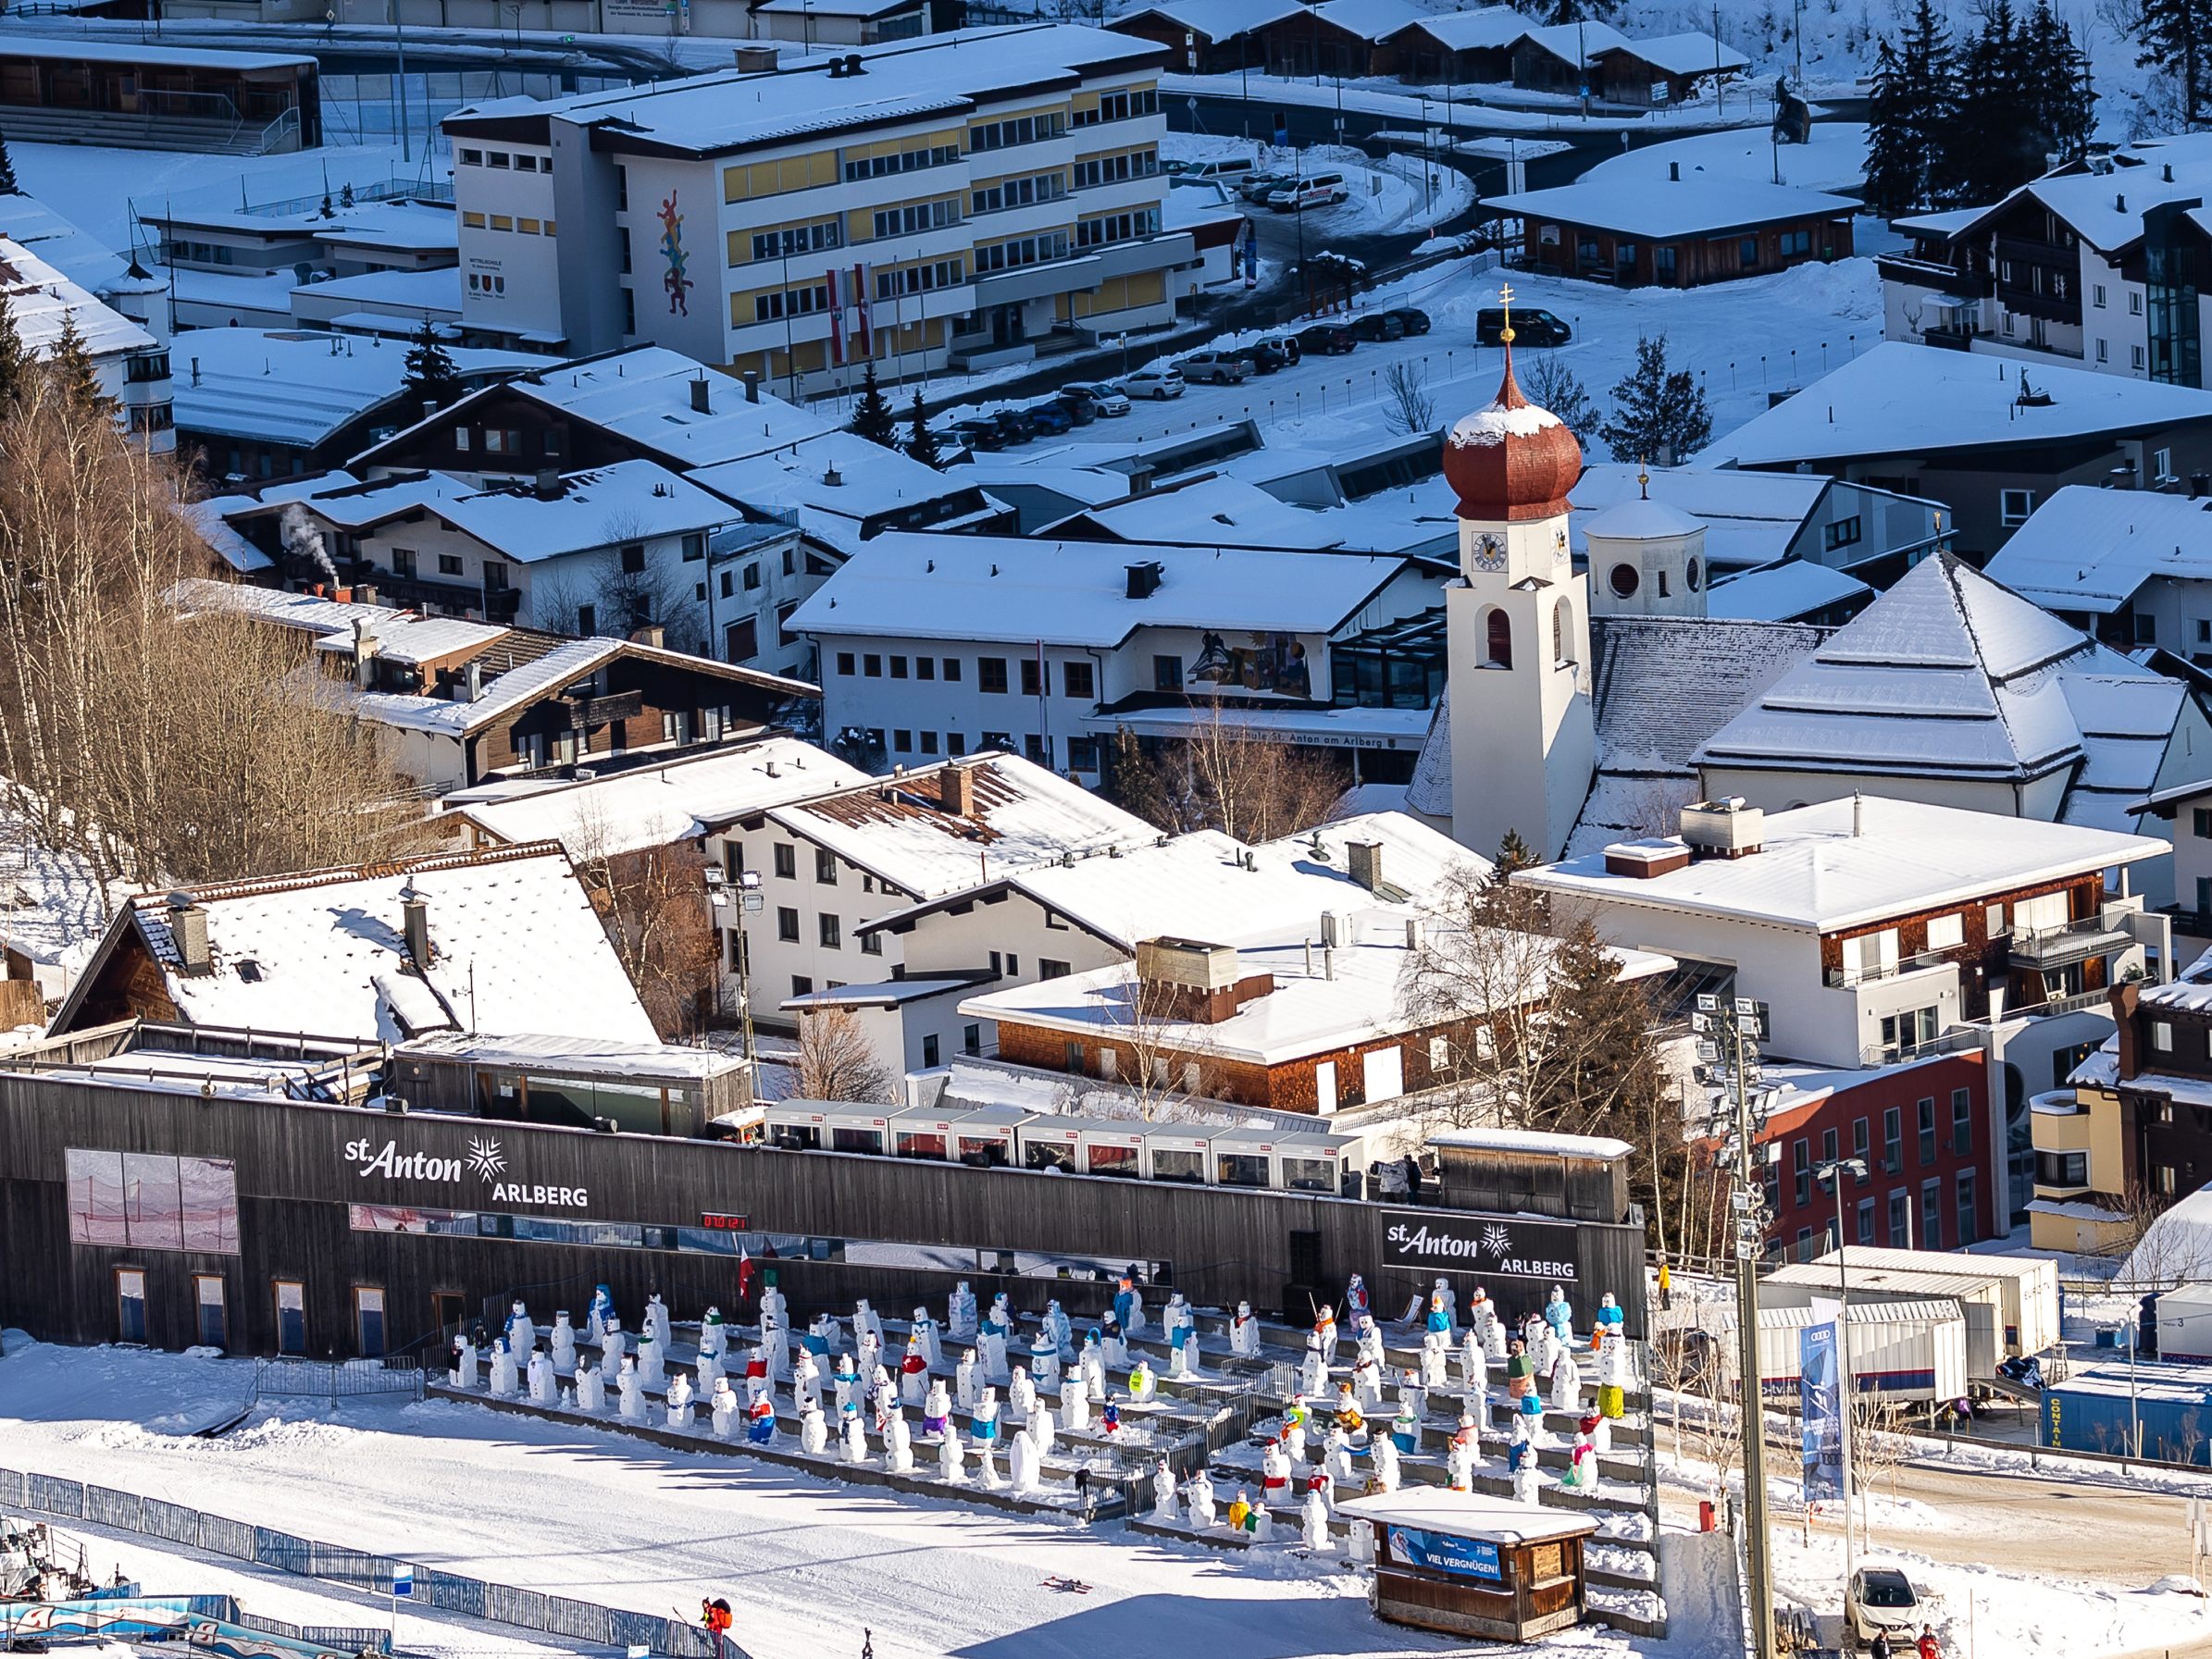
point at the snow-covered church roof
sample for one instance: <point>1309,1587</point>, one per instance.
<point>1660,686</point>
<point>1949,674</point>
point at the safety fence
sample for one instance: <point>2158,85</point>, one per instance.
<point>335,1380</point>
<point>585,1622</point>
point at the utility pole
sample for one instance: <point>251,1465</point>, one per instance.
<point>399,32</point>
<point>1831,1175</point>
<point>1729,1029</point>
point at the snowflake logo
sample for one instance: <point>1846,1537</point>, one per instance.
<point>1496,1242</point>
<point>486,1159</point>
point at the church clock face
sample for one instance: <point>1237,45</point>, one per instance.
<point>1489,553</point>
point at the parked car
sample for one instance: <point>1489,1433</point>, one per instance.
<point>1378,324</point>
<point>1326,339</point>
<point>1257,187</point>
<point>1217,367</point>
<point>1223,171</point>
<point>1881,1599</point>
<point>1321,190</point>
<point>1267,356</point>
<point>1013,424</point>
<point>1050,418</point>
<point>1157,383</point>
<point>1102,397</point>
<point>1412,318</point>
<point>977,434</point>
<point>1288,344</point>
<point>1531,328</point>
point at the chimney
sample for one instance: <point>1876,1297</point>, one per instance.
<point>1144,579</point>
<point>1859,814</point>
<point>853,65</point>
<point>2119,203</point>
<point>1192,980</point>
<point>836,68</point>
<point>1331,929</point>
<point>472,682</point>
<point>1640,860</point>
<point>188,933</point>
<point>416,925</point>
<point>548,485</point>
<point>755,60</point>
<point>2122,998</point>
<point>833,479</point>
<point>753,385</point>
<point>1724,829</point>
<point>364,595</point>
<point>699,399</point>
<point>1367,862</point>
<point>956,790</point>
<point>429,407</point>
<point>1416,935</point>
<point>365,655</point>
<point>1674,172</point>
<point>652,634</point>
<point>2170,173</point>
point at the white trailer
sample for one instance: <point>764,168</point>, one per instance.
<point>2185,1323</point>
<point>1910,1351</point>
<point>2029,1285</point>
<point>1981,1299</point>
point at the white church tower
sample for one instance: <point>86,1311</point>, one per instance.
<point>1524,748</point>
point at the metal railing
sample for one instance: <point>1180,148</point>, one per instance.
<point>359,1569</point>
<point>1845,978</point>
<point>337,1380</point>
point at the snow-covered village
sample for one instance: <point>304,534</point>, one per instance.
<point>1034,829</point>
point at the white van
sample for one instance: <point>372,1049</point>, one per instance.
<point>1227,172</point>
<point>1319,190</point>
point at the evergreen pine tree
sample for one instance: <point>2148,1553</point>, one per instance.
<point>872,417</point>
<point>2058,70</point>
<point>921,442</point>
<point>1912,116</point>
<point>1658,417</point>
<point>8,187</point>
<point>14,362</point>
<point>1997,140</point>
<point>1513,855</point>
<point>2173,35</point>
<point>1602,1073</point>
<point>431,376</point>
<point>72,367</point>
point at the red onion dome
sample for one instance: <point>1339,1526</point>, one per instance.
<point>1512,461</point>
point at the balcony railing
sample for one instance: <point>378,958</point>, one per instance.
<point>1957,1040</point>
<point>1847,977</point>
<point>2045,948</point>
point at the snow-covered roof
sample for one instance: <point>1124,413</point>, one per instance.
<point>1947,674</point>
<point>1843,863</point>
<point>897,828</point>
<point>296,385</point>
<point>869,479</point>
<point>1532,1141</point>
<point>84,49</point>
<point>2106,209</point>
<point>656,806</point>
<point>2175,1248</point>
<point>74,251</point>
<point>644,395</point>
<point>1692,51</point>
<point>1495,421</point>
<point>1750,518</point>
<point>516,946</point>
<point>1785,593</point>
<point>1486,28</point>
<point>41,299</point>
<point>1466,1515</point>
<point>1375,19</point>
<point>1216,512</point>
<point>1577,44</point>
<point>629,500</point>
<point>1215,19</point>
<point>1897,399</point>
<point>405,637</point>
<point>945,74</point>
<point>1196,885</point>
<point>1640,520</point>
<point>935,587</point>
<point>1321,1001</point>
<point>1671,208</point>
<point>2092,549</point>
<point>592,1056</point>
<point>54,905</point>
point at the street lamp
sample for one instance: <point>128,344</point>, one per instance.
<point>1831,1174</point>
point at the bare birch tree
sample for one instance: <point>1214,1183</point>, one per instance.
<point>1224,777</point>
<point>835,1060</point>
<point>654,905</point>
<point>160,747</point>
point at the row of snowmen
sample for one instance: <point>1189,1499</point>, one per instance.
<point>862,1394</point>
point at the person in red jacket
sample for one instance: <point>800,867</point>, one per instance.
<point>1930,1648</point>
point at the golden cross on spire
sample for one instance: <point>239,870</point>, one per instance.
<point>1505,298</point>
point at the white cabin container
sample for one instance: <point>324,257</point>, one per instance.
<point>1898,1351</point>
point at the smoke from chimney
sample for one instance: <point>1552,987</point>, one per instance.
<point>303,540</point>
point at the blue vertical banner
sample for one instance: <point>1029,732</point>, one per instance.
<point>1821,1398</point>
